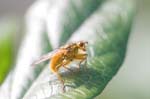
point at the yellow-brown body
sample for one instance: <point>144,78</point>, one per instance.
<point>56,60</point>
<point>66,54</point>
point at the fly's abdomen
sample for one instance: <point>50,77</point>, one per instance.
<point>55,62</point>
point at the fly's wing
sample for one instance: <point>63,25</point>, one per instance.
<point>44,57</point>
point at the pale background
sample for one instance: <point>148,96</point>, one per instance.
<point>133,79</point>
<point>14,7</point>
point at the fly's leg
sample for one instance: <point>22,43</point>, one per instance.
<point>67,68</point>
<point>85,67</point>
<point>60,79</point>
<point>59,76</point>
<point>65,62</point>
<point>55,70</point>
<point>82,57</point>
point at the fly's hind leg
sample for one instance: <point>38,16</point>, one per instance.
<point>58,75</point>
<point>60,79</point>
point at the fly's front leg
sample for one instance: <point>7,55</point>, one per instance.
<point>81,57</point>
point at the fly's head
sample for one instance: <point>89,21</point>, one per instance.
<point>82,45</point>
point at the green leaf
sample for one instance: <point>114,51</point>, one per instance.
<point>7,30</point>
<point>32,47</point>
<point>107,31</point>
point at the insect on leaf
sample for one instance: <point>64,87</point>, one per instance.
<point>107,31</point>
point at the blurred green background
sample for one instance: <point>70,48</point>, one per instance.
<point>131,82</point>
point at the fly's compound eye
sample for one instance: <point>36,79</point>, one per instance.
<point>81,44</point>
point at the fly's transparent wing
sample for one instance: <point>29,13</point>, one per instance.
<point>44,57</point>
